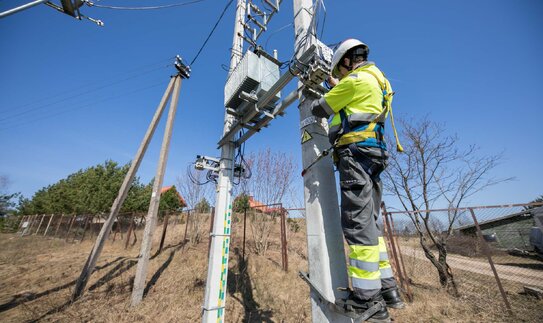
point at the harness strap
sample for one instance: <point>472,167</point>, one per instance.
<point>387,105</point>
<point>344,121</point>
<point>356,136</point>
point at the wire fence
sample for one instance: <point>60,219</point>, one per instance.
<point>127,227</point>
<point>489,255</point>
<point>262,220</point>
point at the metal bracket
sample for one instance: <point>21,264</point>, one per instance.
<point>218,235</point>
<point>216,308</point>
<point>184,70</point>
<point>354,315</point>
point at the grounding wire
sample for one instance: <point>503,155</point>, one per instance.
<point>211,33</point>
<point>92,4</point>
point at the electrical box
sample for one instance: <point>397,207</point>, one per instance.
<point>254,74</point>
<point>71,7</point>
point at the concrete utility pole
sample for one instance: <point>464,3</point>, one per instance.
<point>327,268</point>
<point>150,223</point>
<point>88,268</point>
<point>215,293</point>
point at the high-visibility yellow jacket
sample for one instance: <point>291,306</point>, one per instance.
<point>360,95</point>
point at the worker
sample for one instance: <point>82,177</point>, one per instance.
<point>359,103</point>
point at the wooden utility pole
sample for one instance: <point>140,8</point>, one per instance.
<point>88,268</point>
<point>150,224</point>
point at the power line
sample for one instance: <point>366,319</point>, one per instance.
<point>158,65</point>
<point>211,33</point>
<point>92,4</point>
<point>78,94</point>
<point>82,106</point>
<point>275,32</point>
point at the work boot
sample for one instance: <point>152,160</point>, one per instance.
<point>393,298</point>
<point>359,306</point>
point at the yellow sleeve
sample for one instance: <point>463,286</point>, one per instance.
<point>340,95</point>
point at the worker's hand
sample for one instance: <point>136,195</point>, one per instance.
<point>332,81</point>
<point>318,111</point>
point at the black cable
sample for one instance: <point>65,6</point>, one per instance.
<point>211,33</point>
<point>275,32</point>
<point>79,94</point>
<point>91,4</point>
<point>156,66</point>
<point>194,180</point>
<point>71,108</point>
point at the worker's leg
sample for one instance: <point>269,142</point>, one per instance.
<point>358,219</point>
<point>387,276</point>
<point>389,287</point>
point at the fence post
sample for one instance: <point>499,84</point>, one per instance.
<point>48,224</point>
<point>486,250</point>
<point>284,249</point>
<point>21,223</point>
<point>392,254</point>
<point>164,229</point>
<point>85,227</point>
<point>187,225</point>
<point>32,221</point>
<point>58,225</point>
<point>117,229</point>
<point>396,254</point>
<point>406,279</point>
<point>244,229</point>
<point>70,228</point>
<point>39,225</point>
<point>130,228</point>
<point>210,230</point>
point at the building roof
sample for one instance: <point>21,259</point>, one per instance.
<point>167,188</point>
<point>274,208</point>
<point>521,215</point>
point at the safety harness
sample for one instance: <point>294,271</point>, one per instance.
<point>356,136</point>
<point>352,137</point>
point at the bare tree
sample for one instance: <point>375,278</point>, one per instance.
<point>195,193</point>
<point>432,169</point>
<point>272,175</point>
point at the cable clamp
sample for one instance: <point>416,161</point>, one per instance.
<point>216,308</point>
<point>218,235</point>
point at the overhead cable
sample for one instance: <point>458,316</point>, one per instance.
<point>77,94</point>
<point>211,33</point>
<point>96,85</point>
<point>92,4</point>
<point>73,108</point>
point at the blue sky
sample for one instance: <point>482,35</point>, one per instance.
<point>73,94</point>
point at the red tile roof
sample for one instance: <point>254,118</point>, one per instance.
<point>167,188</point>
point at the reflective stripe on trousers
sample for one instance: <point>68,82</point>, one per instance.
<point>369,268</point>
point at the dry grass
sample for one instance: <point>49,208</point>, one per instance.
<point>37,275</point>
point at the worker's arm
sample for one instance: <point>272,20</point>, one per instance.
<point>336,99</point>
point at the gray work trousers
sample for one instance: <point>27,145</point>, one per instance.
<point>361,193</point>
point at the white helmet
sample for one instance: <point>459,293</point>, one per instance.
<point>341,50</point>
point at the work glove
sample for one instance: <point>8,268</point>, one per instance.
<point>317,110</point>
